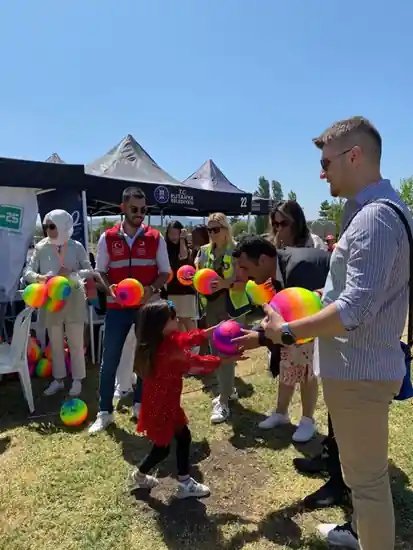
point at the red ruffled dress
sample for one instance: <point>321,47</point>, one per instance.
<point>161,414</point>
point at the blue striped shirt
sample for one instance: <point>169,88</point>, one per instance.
<point>369,283</point>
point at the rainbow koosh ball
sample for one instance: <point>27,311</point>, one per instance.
<point>295,303</point>
<point>260,294</point>
<point>58,288</point>
<point>130,292</point>
<point>223,335</point>
<point>54,305</point>
<point>203,279</point>
<point>185,275</point>
<point>35,295</point>
<point>44,368</point>
<point>73,412</point>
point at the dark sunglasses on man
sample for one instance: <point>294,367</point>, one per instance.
<point>138,210</point>
<point>215,230</point>
<point>325,162</point>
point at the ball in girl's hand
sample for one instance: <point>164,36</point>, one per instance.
<point>223,335</point>
<point>58,288</point>
<point>73,412</point>
<point>54,305</point>
<point>203,280</point>
<point>260,294</point>
<point>295,303</point>
<point>44,368</point>
<point>35,295</point>
<point>185,275</point>
<point>129,292</point>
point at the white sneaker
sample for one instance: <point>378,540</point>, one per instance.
<point>233,397</point>
<point>305,431</point>
<point>192,488</point>
<point>76,388</point>
<point>139,481</point>
<point>136,409</point>
<point>103,420</point>
<point>340,535</point>
<point>220,413</point>
<point>55,386</point>
<point>273,421</point>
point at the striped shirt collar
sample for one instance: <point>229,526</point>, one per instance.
<point>372,191</point>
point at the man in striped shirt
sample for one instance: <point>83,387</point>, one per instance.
<point>365,305</point>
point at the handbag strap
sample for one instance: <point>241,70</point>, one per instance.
<point>406,224</point>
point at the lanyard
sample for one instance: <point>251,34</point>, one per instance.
<point>61,254</point>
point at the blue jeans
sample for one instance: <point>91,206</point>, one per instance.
<point>118,323</point>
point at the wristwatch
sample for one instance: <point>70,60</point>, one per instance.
<point>287,336</point>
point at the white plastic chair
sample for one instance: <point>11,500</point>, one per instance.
<point>100,342</point>
<point>13,357</point>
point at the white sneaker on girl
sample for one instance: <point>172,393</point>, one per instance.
<point>76,388</point>
<point>55,386</point>
<point>192,489</point>
<point>141,481</point>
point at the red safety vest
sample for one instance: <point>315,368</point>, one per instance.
<point>138,262</point>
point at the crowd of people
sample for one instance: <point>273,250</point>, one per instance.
<point>354,347</point>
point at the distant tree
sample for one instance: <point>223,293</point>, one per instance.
<point>406,191</point>
<point>292,196</point>
<point>239,227</point>
<point>276,191</point>
<point>233,220</point>
<point>324,210</point>
<point>104,224</point>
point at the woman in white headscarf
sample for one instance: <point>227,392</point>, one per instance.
<point>58,254</point>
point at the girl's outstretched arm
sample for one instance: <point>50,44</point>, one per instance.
<point>190,339</point>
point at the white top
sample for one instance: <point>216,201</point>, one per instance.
<point>102,255</point>
<point>317,242</point>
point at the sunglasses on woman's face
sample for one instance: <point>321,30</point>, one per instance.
<point>277,225</point>
<point>215,230</point>
<point>47,226</point>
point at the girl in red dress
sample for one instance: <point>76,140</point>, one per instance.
<point>162,358</point>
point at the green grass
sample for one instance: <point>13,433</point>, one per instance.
<point>62,489</point>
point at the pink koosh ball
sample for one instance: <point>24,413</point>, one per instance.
<point>223,335</point>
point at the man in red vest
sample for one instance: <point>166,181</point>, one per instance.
<point>129,249</point>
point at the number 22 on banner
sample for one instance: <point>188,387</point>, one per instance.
<point>243,201</point>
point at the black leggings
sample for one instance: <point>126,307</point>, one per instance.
<point>333,456</point>
<point>157,454</point>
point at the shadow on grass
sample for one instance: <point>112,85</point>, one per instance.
<point>134,449</point>
<point>210,386</point>
<point>4,444</point>
<point>403,505</point>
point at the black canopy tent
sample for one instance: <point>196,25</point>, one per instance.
<point>128,163</point>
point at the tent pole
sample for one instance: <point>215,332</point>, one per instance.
<point>248,222</point>
<point>90,308</point>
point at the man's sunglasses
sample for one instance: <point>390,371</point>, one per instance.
<point>277,225</point>
<point>47,226</point>
<point>215,230</point>
<point>138,209</point>
<point>325,162</point>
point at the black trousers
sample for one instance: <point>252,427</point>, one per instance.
<point>158,454</point>
<point>333,457</point>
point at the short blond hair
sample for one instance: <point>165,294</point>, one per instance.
<point>222,220</point>
<point>353,131</point>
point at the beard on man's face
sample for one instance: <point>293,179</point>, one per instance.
<point>135,221</point>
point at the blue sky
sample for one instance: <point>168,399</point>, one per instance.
<point>247,83</point>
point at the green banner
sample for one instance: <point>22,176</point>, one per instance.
<point>11,217</point>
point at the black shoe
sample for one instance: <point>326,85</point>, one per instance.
<point>330,494</point>
<point>315,465</point>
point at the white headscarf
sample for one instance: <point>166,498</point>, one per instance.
<point>64,224</point>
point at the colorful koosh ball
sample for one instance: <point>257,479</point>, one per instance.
<point>73,412</point>
<point>58,288</point>
<point>34,352</point>
<point>260,294</point>
<point>35,295</point>
<point>44,368</point>
<point>223,335</point>
<point>185,275</point>
<point>296,303</point>
<point>129,292</point>
<point>203,279</point>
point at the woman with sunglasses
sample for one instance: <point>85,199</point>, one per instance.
<point>58,254</point>
<point>228,300</point>
<point>289,229</point>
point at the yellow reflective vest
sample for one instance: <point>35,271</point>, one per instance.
<point>238,303</point>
